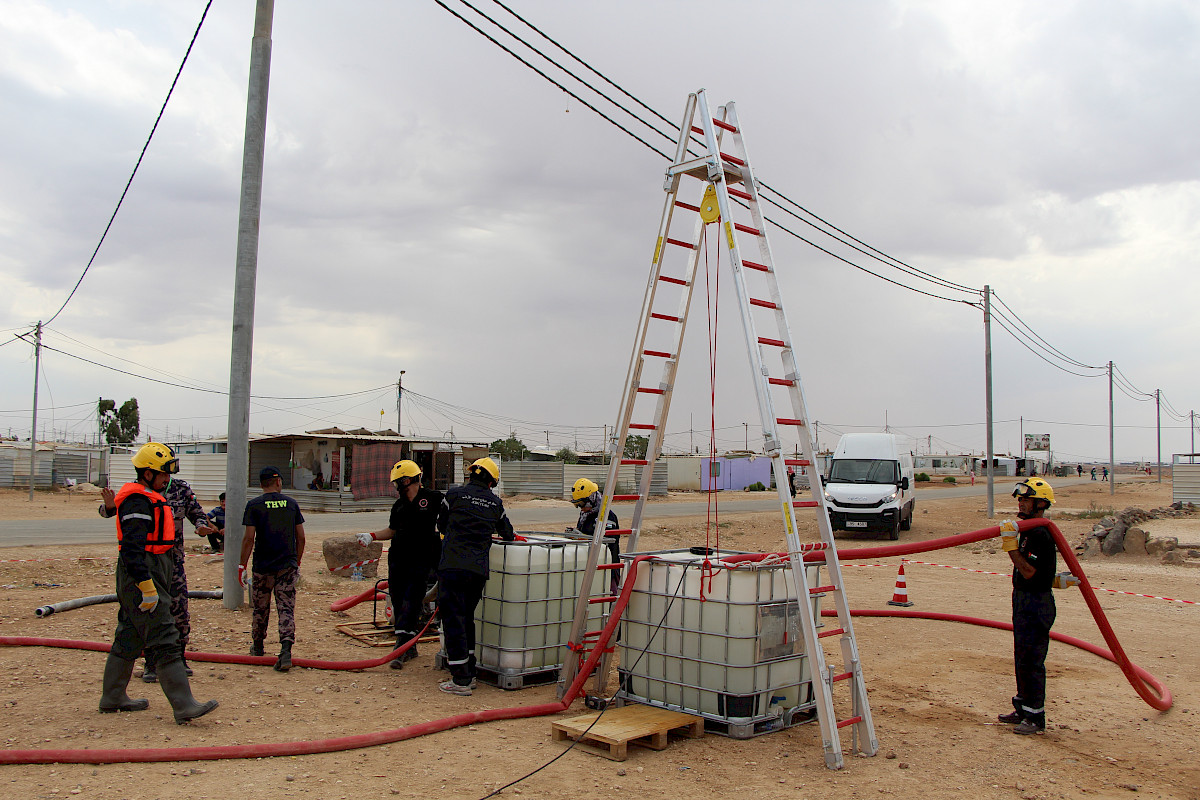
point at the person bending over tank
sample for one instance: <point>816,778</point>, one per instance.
<point>586,496</point>
<point>146,532</point>
<point>471,514</point>
<point>413,555</point>
<point>275,535</point>
<point>1034,557</point>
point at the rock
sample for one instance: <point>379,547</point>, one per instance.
<point>1135,541</point>
<point>1161,544</point>
<point>342,550</point>
<point>1113,543</point>
<point>1091,548</point>
<point>1174,557</point>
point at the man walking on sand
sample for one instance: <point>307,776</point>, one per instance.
<point>275,535</point>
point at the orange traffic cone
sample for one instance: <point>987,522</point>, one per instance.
<point>900,595</point>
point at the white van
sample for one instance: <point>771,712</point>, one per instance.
<point>870,485</point>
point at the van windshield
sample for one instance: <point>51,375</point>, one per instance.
<point>864,470</point>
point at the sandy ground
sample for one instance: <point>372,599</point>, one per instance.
<point>935,688</point>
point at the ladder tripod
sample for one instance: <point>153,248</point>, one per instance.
<point>711,156</point>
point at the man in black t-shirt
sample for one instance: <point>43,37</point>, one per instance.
<point>1034,558</point>
<point>275,535</point>
<point>413,555</point>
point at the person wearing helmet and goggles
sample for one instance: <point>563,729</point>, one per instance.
<point>586,496</point>
<point>413,555</point>
<point>146,533</point>
<point>1034,557</point>
<point>471,515</point>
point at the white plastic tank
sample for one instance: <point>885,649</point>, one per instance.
<point>721,641</point>
<point>524,620</point>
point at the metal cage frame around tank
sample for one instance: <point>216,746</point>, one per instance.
<point>783,673</point>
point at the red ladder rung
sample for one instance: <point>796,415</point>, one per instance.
<point>851,721</point>
<point>652,391</point>
<point>795,462</point>
<point>679,243</point>
<point>738,193</point>
<point>608,566</point>
<point>667,317</point>
<point>821,589</point>
<point>733,159</point>
<point>620,531</point>
<point>688,206</point>
<point>725,125</point>
<point>781,381</point>
<point>659,353</point>
<point>772,342</point>
<point>642,426</point>
<point>804,504</point>
<point>833,632</point>
<point>594,600</point>
<point>786,421</point>
<point>745,229</point>
<point>843,676</point>
<point>676,281</point>
<point>696,129</point>
<point>754,301</point>
<point>626,498</point>
<point>640,461</point>
<point>755,265</point>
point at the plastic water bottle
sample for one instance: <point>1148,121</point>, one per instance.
<point>357,575</point>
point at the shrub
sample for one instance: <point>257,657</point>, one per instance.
<point>757,486</point>
<point>949,479</point>
<point>922,477</point>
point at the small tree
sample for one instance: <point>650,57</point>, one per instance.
<point>120,425</point>
<point>635,446</point>
<point>510,449</point>
<point>567,456</point>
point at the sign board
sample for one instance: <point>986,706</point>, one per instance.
<point>1037,441</point>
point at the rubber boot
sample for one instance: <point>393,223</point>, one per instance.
<point>117,672</point>
<point>148,673</point>
<point>284,663</point>
<point>256,647</point>
<point>182,649</point>
<point>178,689</point>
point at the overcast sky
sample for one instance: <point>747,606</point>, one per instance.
<point>432,205</point>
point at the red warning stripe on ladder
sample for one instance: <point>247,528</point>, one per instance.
<point>755,265</point>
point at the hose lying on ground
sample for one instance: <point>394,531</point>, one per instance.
<point>70,605</point>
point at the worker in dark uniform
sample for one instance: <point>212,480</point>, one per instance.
<point>413,555</point>
<point>471,514</point>
<point>586,496</point>
<point>1034,558</point>
<point>275,535</point>
<point>146,532</point>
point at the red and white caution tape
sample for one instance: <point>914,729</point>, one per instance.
<point>355,564</point>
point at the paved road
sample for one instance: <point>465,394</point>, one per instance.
<point>20,533</point>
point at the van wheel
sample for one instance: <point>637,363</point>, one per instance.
<point>894,533</point>
<point>906,520</point>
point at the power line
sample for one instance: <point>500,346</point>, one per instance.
<point>1034,333</point>
<point>141,155</point>
<point>1001,322</point>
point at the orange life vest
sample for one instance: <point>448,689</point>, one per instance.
<point>162,538</point>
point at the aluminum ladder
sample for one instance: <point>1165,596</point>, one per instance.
<point>711,160</point>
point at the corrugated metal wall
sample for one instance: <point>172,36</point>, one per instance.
<point>1185,483</point>
<point>555,479</point>
<point>14,468</point>
<point>6,469</point>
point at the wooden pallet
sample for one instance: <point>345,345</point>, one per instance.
<point>375,634</point>
<point>619,727</point>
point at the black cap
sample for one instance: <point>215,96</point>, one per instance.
<point>267,474</point>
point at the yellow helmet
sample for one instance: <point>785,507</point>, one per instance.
<point>583,489</point>
<point>1036,488</point>
<point>488,466</point>
<point>405,469</point>
<point>155,456</point>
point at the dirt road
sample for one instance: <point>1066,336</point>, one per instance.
<point>935,689</point>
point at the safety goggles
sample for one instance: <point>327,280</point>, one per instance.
<point>1024,490</point>
<point>580,503</point>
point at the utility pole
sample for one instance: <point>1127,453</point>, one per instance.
<point>99,446</point>
<point>1158,427</point>
<point>37,370</point>
<point>399,401</point>
<point>1112,463</point>
<point>241,359</point>
<point>817,430</point>
<point>746,431</point>
<point>987,391</point>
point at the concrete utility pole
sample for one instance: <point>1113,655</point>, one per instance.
<point>1112,463</point>
<point>399,401</point>
<point>241,359</point>
<point>987,391</point>
<point>37,370</point>
<point>1158,427</point>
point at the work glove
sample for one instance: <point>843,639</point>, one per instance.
<point>149,595</point>
<point>243,576</point>
<point>365,538</point>
<point>1008,535</point>
<point>1065,580</point>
